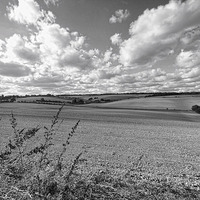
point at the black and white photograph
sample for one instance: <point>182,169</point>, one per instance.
<point>99,99</point>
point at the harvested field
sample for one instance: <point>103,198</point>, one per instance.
<point>127,153</point>
<point>116,137</point>
<point>158,103</point>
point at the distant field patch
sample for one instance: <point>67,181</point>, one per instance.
<point>111,97</point>
<point>43,98</point>
<point>118,97</point>
<point>171,103</point>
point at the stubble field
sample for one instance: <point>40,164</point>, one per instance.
<point>114,137</point>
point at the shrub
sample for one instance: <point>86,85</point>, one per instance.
<point>35,173</point>
<point>196,108</point>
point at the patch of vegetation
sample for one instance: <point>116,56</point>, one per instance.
<point>196,109</point>
<point>33,170</point>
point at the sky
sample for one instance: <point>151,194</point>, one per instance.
<point>99,46</point>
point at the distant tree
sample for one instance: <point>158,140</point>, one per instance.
<point>81,101</point>
<point>74,101</point>
<point>196,109</point>
<point>12,99</point>
<point>77,101</point>
<point>42,99</point>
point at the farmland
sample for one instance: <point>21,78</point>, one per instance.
<point>181,102</point>
<point>169,139</point>
<point>134,148</point>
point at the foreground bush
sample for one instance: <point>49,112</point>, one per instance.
<point>29,171</point>
<point>34,171</point>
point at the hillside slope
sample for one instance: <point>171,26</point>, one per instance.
<point>170,103</point>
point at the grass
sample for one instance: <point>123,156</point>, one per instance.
<point>32,170</point>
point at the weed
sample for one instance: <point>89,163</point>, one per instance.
<point>34,173</point>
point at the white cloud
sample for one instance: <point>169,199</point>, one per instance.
<point>190,73</point>
<point>53,38</point>
<point>116,39</point>
<point>94,52</point>
<point>119,16</point>
<point>188,59</point>
<point>54,2</point>
<point>75,59</point>
<point>78,42</point>
<point>191,35</point>
<point>107,55</point>
<point>61,48</point>
<point>48,56</point>
<point>47,17</point>
<point>158,31</point>
<point>1,44</point>
<point>20,49</point>
<point>26,12</point>
<point>53,59</point>
<point>143,77</point>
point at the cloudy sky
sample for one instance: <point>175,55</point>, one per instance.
<point>99,46</point>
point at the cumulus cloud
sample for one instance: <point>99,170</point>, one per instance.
<point>157,31</point>
<point>190,73</point>
<point>120,15</point>
<point>107,55</point>
<point>28,12</point>
<point>47,56</point>
<point>191,35</point>
<point>13,70</point>
<point>109,72</point>
<point>75,59</point>
<point>188,59</point>
<point>143,77</point>
<point>52,38</point>
<point>20,50</point>
<point>54,2</point>
<point>51,44</point>
<point>78,42</point>
<point>62,48</point>
<point>116,39</point>
<point>55,59</point>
